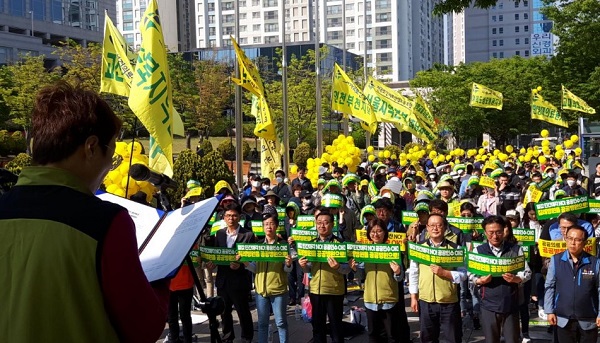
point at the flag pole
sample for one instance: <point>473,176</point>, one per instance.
<point>318,92</point>
<point>131,154</point>
<point>239,130</point>
<point>365,62</point>
<point>286,136</point>
<point>345,117</point>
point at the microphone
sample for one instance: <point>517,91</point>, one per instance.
<point>140,172</point>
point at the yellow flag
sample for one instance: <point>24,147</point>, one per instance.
<point>264,124</point>
<point>482,96</point>
<point>270,157</point>
<point>423,113</point>
<point>150,97</point>
<point>571,101</point>
<point>249,76</point>
<point>348,99</point>
<point>392,107</point>
<point>116,70</point>
<point>543,110</point>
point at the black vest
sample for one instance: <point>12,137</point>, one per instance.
<point>498,295</point>
<point>576,295</point>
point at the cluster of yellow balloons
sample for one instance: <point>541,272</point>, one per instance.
<point>116,179</point>
<point>342,150</point>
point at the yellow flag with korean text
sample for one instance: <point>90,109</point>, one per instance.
<point>392,107</point>
<point>347,98</point>
<point>570,101</point>
<point>264,124</point>
<point>485,97</point>
<point>150,98</point>
<point>543,110</point>
<point>249,75</point>
<point>270,157</point>
<point>116,70</point>
<point>423,113</point>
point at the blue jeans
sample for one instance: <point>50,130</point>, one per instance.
<point>263,307</point>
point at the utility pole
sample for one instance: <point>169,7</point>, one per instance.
<point>239,129</point>
<point>318,72</point>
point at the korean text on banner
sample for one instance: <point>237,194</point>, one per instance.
<point>484,97</point>
<point>262,252</point>
<point>570,101</point>
<point>116,70</point>
<point>320,251</point>
<point>427,255</point>
<point>550,248</point>
<point>553,208</point>
<point>484,265</point>
<point>375,253</point>
<point>216,255</point>
<point>543,110</point>
<point>347,98</point>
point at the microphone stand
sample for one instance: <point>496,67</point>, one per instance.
<point>213,306</point>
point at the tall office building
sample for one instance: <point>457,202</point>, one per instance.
<point>177,18</point>
<point>402,36</point>
<point>35,26</point>
<point>507,29</point>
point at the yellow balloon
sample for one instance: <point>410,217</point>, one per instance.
<point>350,140</point>
<point>509,149</point>
<point>574,138</point>
<point>112,188</point>
<point>545,142</point>
<point>393,157</point>
<point>402,156</point>
<point>577,151</point>
<point>432,154</point>
<point>522,151</point>
<point>371,158</point>
<point>559,154</point>
<point>294,169</point>
<point>137,148</point>
<point>380,154</point>
<point>448,158</point>
<point>387,154</point>
<point>348,161</point>
<point>486,143</point>
<point>496,152</point>
<point>568,144</point>
<point>542,160</point>
<point>119,192</point>
<point>536,153</point>
<point>370,149</point>
<point>545,133</point>
<point>481,151</point>
<point>539,88</point>
<point>558,147</point>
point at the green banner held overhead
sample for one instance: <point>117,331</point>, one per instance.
<point>546,184</point>
<point>594,205</point>
<point>262,252</point>
<point>305,221</point>
<point>320,251</point>
<point>375,253</point>
<point>466,224</point>
<point>427,255</point>
<point>554,208</point>
<point>484,265</point>
<point>409,217</point>
<point>220,224</point>
<point>524,236</point>
<point>304,235</point>
<point>217,255</point>
<point>258,228</point>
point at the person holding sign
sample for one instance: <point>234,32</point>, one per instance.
<point>499,308</point>
<point>386,317</point>
<point>571,299</point>
<point>327,286</point>
<point>271,284</point>
<point>232,282</point>
<point>434,289</point>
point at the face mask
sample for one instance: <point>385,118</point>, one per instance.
<point>571,183</point>
<point>387,195</point>
<point>551,175</point>
<point>431,177</point>
<point>266,188</point>
<point>306,201</point>
<point>521,177</point>
<point>255,184</point>
<point>279,179</point>
<point>412,172</point>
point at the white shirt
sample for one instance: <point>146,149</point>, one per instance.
<point>231,237</point>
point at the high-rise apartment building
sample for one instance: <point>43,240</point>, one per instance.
<point>177,18</point>
<point>507,29</point>
<point>35,26</point>
<point>403,37</point>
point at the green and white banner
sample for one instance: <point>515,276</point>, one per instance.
<point>259,230</point>
<point>300,235</point>
<point>217,255</point>
<point>484,265</point>
<point>262,252</point>
<point>552,209</point>
<point>466,224</point>
<point>220,224</point>
<point>374,253</point>
<point>427,255</point>
<point>524,236</point>
<point>409,217</point>
<point>594,205</point>
<point>320,251</point>
<point>305,221</point>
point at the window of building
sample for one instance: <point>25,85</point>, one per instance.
<point>384,57</point>
<point>493,18</point>
<point>350,45</point>
<point>256,40</point>
<point>526,53</point>
<point>517,41</point>
<point>271,27</point>
<point>383,5</point>
<point>243,28</point>
<point>127,16</point>
<point>256,27</point>
<point>334,9</point>
<point>255,2</point>
<point>383,44</point>
<point>525,3</point>
<point>517,53</point>
<point>210,6</point>
<point>269,3</point>
<point>255,15</point>
<point>386,30</point>
<point>272,39</point>
<point>243,40</point>
<point>228,5</point>
<point>495,55</point>
<point>17,8</point>
<point>243,15</point>
<point>516,4</point>
<point>128,26</point>
<point>211,19</point>
<point>500,17</point>
<point>501,5</point>
<point>333,35</point>
<point>334,22</point>
<point>212,43</point>
<point>501,42</point>
<point>228,18</point>
<point>494,31</point>
<point>383,17</point>
<point>516,16</point>
<point>242,3</point>
<point>349,20</point>
<point>501,30</point>
<point>350,32</point>
<point>39,9</point>
<point>271,15</point>
<point>501,54</point>
<point>129,38</point>
<point>517,28</point>
<point>229,30</point>
<point>526,40</point>
<point>526,16</point>
<point>526,28</point>
<point>349,7</point>
<point>494,42</point>
<point>212,31</point>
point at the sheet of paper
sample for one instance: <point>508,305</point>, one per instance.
<point>144,217</point>
<point>174,238</point>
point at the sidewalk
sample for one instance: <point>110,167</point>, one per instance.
<point>301,332</point>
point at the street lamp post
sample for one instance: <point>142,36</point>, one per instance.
<point>31,15</point>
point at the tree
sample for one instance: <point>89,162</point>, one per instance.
<point>514,77</point>
<point>577,24</point>
<point>212,169</point>
<point>19,83</point>
<point>447,6</point>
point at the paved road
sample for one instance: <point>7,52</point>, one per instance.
<point>301,332</point>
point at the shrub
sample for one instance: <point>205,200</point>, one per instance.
<point>18,163</point>
<point>4,143</point>
<point>219,127</point>
<point>17,144</point>
<point>246,150</point>
<point>408,146</point>
<point>212,168</point>
<point>205,146</point>
<point>302,153</point>
<point>249,130</point>
<point>394,150</point>
<point>227,150</point>
<point>186,167</point>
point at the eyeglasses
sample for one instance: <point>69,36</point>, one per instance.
<point>573,239</point>
<point>323,223</point>
<point>231,215</point>
<point>437,226</point>
<point>495,233</point>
